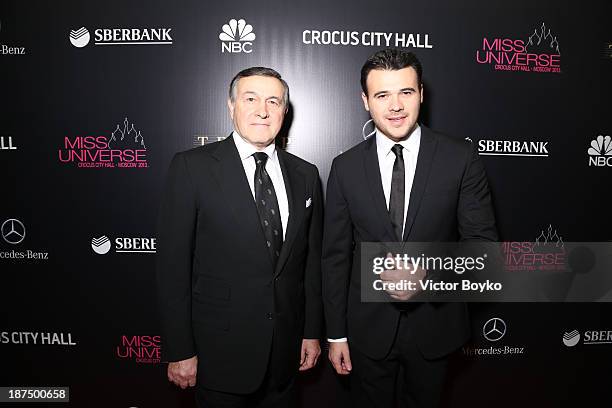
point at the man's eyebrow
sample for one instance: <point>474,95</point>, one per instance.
<point>256,94</point>
<point>401,90</point>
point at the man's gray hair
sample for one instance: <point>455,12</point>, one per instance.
<point>258,71</point>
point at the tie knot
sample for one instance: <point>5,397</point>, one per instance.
<point>397,150</point>
<point>260,158</point>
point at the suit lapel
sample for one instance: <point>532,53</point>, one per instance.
<point>427,150</point>
<point>229,173</point>
<point>374,181</point>
<point>296,196</point>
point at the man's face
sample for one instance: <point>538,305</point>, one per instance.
<point>258,110</point>
<point>394,100</point>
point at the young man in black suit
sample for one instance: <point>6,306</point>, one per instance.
<point>239,280</point>
<point>406,183</point>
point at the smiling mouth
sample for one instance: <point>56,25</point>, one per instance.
<point>396,119</point>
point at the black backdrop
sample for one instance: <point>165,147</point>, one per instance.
<point>102,305</point>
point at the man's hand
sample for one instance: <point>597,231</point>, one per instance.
<point>183,373</point>
<point>311,350</point>
<point>340,357</point>
<point>399,274</point>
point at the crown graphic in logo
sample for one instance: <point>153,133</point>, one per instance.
<point>539,37</point>
<point>101,245</point>
<point>601,146</point>
<point>80,37</point>
<point>571,339</point>
<point>127,137</point>
<point>549,237</point>
<point>237,31</point>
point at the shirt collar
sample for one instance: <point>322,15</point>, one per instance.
<point>411,143</point>
<point>246,150</point>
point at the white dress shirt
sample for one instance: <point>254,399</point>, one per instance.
<point>246,150</point>
<point>386,160</point>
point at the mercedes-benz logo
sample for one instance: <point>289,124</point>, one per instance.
<point>494,329</point>
<point>13,231</point>
<point>363,129</point>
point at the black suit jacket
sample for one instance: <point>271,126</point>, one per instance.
<point>449,201</point>
<point>220,297</point>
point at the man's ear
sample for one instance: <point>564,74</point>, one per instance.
<point>422,93</point>
<point>230,106</point>
<point>365,101</point>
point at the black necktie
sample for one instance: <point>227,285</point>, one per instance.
<point>267,206</point>
<point>396,200</point>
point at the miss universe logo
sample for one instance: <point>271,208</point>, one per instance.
<point>537,53</point>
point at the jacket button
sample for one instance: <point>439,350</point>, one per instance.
<point>270,316</point>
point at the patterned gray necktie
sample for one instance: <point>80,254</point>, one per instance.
<point>267,206</point>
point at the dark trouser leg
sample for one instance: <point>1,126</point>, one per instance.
<point>373,381</point>
<point>403,377</point>
<point>206,398</point>
<point>272,395</point>
<point>269,395</point>
<point>421,381</point>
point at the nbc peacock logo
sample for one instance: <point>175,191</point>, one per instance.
<point>600,152</point>
<point>236,37</point>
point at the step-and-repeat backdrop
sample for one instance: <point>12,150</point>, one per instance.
<point>528,82</point>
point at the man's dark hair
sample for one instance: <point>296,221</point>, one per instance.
<point>258,71</point>
<point>390,59</point>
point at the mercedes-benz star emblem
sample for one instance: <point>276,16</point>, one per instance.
<point>13,231</point>
<point>494,329</point>
<point>365,134</point>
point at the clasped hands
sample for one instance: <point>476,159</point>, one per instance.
<point>401,273</point>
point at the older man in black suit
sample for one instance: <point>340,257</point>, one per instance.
<point>240,230</point>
